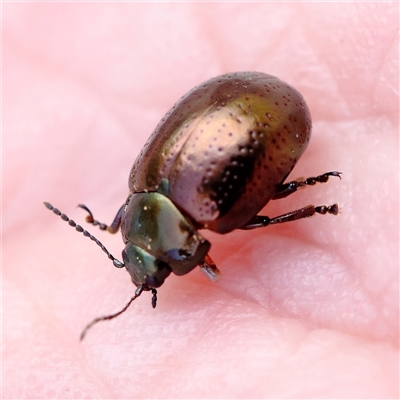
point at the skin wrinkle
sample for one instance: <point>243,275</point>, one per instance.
<point>84,85</point>
<point>320,319</point>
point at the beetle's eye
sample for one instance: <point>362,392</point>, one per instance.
<point>144,268</point>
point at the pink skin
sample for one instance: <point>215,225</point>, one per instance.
<point>307,309</point>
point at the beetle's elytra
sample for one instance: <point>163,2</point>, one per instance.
<point>220,154</point>
<point>224,147</point>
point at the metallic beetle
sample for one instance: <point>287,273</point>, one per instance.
<point>218,156</point>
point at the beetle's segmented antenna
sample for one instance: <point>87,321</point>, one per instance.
<point>72,223</point>
<point>138,292</point>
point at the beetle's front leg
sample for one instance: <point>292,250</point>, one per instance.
<point>113,228</point>
<point>287,189</point>
<point>209,268</point>
<point>260,221</point>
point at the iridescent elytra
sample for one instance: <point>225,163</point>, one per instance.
<point>218,156</point>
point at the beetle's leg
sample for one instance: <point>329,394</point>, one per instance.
<point>287,189</point>
<point>209,268</point>
<point>113,228</point>
<point>260,221</point>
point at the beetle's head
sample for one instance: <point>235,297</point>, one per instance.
<point>159,240</point>
<point>144,268</point>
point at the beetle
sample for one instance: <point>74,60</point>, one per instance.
<point>218,156</point>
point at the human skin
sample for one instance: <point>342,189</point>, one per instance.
<point>307,309</point>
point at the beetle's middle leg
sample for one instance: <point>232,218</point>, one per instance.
<point>113,228</point>
<point>260,221</point>
<point>287,189</point>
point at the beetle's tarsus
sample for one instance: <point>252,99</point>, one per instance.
<point>260,221</point>
<point>113,228</point>
<point>305,212</point>
<point>287,189</point>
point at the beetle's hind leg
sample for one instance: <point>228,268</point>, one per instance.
<point>113,228</point>
<point>287,189</point>
<point>260,221</point>
<point>209,268</point>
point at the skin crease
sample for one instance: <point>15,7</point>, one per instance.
<point>308,309</point>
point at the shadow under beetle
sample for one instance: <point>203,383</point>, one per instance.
<point>218,156</point>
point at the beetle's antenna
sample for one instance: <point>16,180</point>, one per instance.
<point>72,223</point>
<point>138,292</point>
